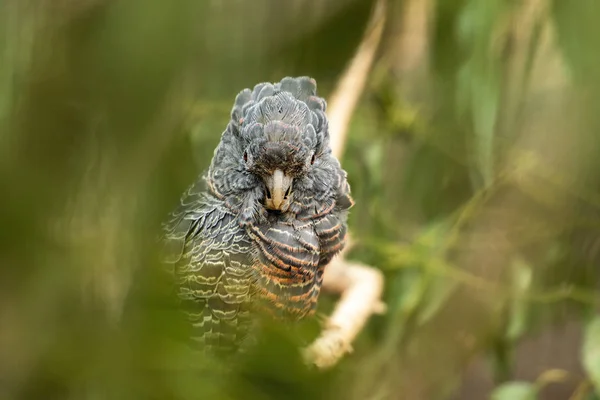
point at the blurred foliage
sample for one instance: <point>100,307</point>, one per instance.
<point>478,198</point>
<point>515,391</point>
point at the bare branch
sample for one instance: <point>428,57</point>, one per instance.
<point>351,85</point>
<point>361,288</point>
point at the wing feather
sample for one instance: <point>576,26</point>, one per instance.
<point>211,258</point>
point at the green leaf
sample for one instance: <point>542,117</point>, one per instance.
<point>515,391</point>
<point>479,81</point>
<point>591,351</point>
<point>432,244</point>
<point>439,291</point>
<point>485,96</point>
<point>522,276</point>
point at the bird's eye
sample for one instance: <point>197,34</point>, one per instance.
<point>312,160</point>
<point>245,156</point>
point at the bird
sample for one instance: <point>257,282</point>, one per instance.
<point>253,235</point>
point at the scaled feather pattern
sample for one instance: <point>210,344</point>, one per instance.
<point>231,255</point>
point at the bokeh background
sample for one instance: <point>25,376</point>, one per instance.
<point>473,158</point>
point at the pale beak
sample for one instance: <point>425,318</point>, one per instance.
<point>279,187</point>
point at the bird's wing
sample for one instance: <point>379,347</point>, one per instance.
<point>330,220</point>
<point>211,258</point>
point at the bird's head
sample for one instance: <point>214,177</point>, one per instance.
<point>275,153</point>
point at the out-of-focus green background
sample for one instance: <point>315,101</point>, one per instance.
<point>473,160</point>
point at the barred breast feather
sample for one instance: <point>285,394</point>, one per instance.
<point>287,267</point>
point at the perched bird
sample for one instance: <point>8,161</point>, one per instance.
<point>255,234</point>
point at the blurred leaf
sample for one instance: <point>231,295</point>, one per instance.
<point>480,79</point>
<point>439,287</point>
<point>436,245</point>
<point>438,292</point>
<point>413,289</point>
<point>373,157</point>
<point>522,275</point>
<point>578,30</point>
<point>515,391</point>
<point>591,351</point>
<point>424,289</point>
